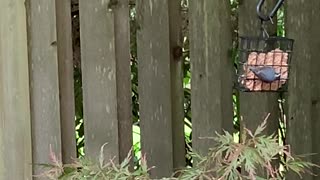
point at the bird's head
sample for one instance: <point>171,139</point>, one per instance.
<point>254,69</point>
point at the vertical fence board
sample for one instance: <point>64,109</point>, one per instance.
<point>154,85</point>
<point>315,96</point>
<point>44,85</point>
<point>65,63</point>
<point>298,25</point>
<point>99,78</point>
<point>15,130</point>
<point>122,49</point>
<point>177,97</point>
<point>211,83</point>
<point>254,107</point>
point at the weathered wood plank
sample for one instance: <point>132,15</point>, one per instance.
<point>65,63</point>
<point>254,107</point>
<point>300,27</point>
<point>122,49</point>
<point>211,68</point>
<point>155,86</point>
<point>177,97</point>
<point>315,90</point>
<point>15,129</point>
<point>44,83</point>
<point>98,64</point>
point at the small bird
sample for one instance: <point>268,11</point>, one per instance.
<point>266,73</point>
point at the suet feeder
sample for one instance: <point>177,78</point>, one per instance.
<point>261,52</point>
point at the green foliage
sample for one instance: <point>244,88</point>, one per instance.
<point>79,111</point>
<point>85,169</point>
<point>226,160</point>
<point>280,22</point>
<point>246,160</point>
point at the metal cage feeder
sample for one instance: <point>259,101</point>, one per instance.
<point>264,52</point>
<point>258,52</point>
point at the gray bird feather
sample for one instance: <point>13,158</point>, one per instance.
<point>266,73</point>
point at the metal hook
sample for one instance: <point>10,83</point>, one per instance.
<point>272,13</point>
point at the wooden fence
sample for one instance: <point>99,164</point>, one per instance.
<point>36,80</point>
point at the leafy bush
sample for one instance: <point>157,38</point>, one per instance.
<point>255,155</point>
<point>84,169</point>
<point>254,158</point>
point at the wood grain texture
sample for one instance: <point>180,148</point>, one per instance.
<point>66,84</point>
<point>300,27</point>
<point>177,96</point>
<point>315,84</point>
<point>211,69</point>
<point>155,86</point>
<point>122,49</point>
<point>254,107</point>
<point>15,129</point>
<point>98,63</point>
<point>44,82</point>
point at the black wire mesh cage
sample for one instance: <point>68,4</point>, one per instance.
<point>263,64</point>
